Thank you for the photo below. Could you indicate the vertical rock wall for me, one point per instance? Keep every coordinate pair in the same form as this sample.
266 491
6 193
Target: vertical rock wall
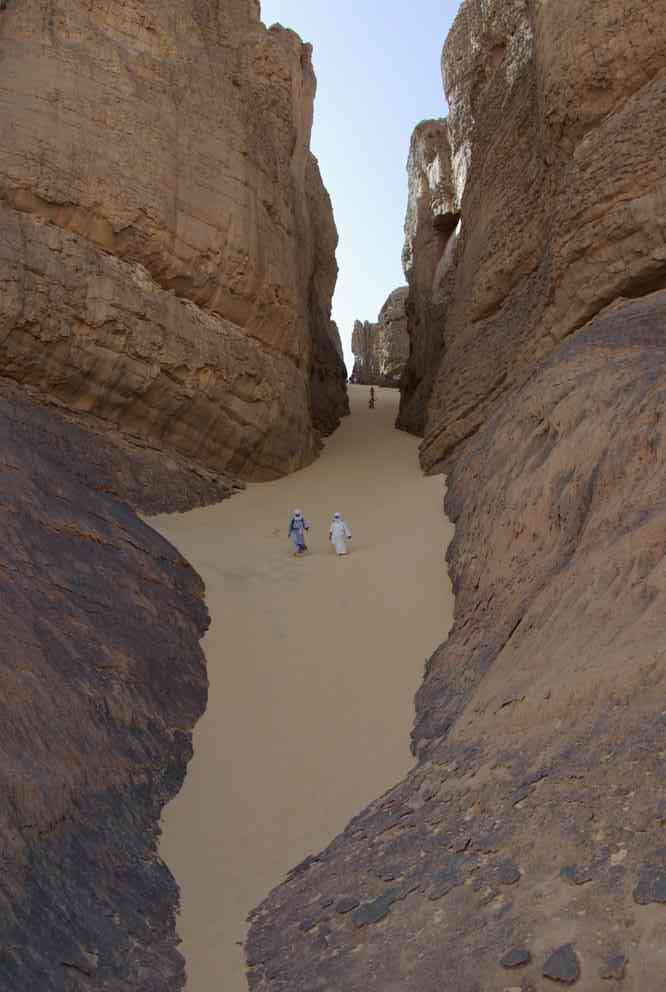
381 349
525 848
430 238
168 246
102 679
557 129
167 261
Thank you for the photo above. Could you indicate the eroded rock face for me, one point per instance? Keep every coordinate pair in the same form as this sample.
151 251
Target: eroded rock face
102 679
558 149
526 846
433 211
170 218
533 818
381 349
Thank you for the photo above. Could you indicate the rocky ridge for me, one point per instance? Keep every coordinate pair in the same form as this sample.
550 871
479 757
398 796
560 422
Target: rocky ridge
525 849
381 349
169 258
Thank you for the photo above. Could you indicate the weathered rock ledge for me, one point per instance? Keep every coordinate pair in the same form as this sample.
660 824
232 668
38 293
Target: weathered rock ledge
381 349
167 246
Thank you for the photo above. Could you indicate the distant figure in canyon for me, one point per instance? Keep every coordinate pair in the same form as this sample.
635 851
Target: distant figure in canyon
297 528
371 401
339 534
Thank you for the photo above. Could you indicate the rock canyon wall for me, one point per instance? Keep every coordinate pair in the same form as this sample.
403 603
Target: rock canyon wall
381 350
167 245
526 847
433 213
167 261
101 682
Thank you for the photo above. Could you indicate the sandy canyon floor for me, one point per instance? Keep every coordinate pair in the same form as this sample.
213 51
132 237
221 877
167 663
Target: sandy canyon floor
313 664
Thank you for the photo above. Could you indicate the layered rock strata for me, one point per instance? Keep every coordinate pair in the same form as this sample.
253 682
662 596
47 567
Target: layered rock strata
168 248
526 846
102 679
381 349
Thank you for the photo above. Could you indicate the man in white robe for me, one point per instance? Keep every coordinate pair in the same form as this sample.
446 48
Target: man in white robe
339 534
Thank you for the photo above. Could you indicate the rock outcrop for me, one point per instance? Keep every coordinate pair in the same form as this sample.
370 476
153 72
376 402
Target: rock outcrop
433 212
102 679
534 817
526 846
167 261
557 131
381 349
168 248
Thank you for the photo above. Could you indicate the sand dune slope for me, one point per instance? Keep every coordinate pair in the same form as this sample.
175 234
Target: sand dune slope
312 664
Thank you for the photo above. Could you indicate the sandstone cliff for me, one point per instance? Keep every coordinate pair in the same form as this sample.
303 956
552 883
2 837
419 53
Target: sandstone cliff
534 817
381 349
168 248
557 131
433 212
526 847
167 260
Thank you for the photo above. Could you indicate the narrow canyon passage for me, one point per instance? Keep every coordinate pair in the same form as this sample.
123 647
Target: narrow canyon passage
313 664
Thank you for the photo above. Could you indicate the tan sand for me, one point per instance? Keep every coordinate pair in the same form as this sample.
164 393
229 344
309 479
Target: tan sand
313 664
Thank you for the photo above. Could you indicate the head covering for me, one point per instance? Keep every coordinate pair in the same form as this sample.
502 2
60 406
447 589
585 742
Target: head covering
297 513
336 516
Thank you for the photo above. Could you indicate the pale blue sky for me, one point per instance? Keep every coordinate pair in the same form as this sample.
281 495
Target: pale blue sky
378 73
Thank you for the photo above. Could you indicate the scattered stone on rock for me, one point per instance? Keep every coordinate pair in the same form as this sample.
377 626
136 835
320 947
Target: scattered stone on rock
445 879
381 350
346 904
651 886
562 965
614 967
507 873
376 910
516 957
576 874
